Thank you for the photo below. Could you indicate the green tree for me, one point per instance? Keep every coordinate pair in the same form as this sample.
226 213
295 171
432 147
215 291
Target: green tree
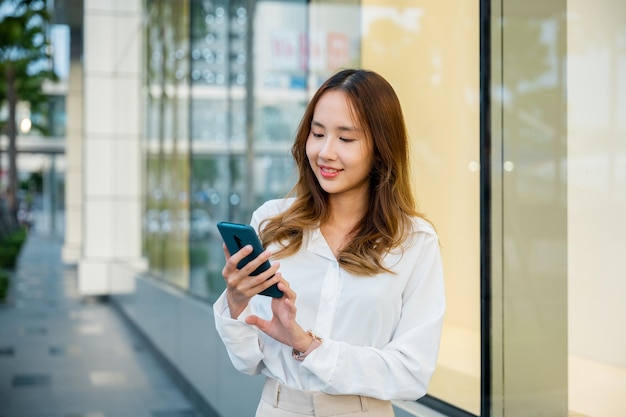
25 64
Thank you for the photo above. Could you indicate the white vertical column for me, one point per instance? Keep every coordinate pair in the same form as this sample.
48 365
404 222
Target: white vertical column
73 244
112 142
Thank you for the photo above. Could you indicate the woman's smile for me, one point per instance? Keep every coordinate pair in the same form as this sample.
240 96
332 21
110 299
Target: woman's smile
328 172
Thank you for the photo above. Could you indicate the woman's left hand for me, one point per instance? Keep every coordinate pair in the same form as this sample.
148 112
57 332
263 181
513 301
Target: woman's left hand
283 326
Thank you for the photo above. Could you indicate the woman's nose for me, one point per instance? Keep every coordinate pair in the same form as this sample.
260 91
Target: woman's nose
328 149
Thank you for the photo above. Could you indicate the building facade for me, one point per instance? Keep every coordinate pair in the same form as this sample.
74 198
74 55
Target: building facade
181 114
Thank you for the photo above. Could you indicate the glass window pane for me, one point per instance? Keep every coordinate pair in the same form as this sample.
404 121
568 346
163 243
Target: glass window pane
596 176
166 220
529 292
429 52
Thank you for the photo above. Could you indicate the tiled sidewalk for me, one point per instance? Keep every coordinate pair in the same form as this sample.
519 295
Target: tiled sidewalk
66 356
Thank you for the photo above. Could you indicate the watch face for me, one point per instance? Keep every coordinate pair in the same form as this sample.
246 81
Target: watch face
299 356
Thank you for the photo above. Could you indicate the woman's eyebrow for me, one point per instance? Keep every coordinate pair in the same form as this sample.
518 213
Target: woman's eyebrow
340 128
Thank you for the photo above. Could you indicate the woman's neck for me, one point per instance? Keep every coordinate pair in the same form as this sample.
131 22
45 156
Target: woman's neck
345 212
343 217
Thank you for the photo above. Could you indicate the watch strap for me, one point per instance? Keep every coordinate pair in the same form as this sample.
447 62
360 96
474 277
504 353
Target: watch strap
317 341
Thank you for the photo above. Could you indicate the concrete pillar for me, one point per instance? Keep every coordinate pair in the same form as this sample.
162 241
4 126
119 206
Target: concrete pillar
112 203
73 245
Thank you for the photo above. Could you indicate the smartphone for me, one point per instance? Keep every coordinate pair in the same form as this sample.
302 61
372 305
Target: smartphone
236 236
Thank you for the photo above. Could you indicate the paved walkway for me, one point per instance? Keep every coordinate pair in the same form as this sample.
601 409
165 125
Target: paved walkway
66 356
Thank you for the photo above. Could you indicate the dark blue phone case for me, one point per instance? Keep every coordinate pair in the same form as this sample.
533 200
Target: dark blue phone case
236 236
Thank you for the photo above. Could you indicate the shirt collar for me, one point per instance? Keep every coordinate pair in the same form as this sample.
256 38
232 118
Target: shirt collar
315 243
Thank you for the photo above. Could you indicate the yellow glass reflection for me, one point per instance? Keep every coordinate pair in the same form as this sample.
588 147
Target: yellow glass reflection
596 87
166 227
529 193
429 51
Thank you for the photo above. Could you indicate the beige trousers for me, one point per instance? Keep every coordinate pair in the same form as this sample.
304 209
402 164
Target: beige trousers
281 401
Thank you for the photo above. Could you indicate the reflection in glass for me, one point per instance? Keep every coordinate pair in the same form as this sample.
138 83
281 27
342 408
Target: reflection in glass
243 115
166 220
529 193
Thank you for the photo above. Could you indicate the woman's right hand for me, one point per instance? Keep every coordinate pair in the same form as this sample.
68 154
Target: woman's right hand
240 285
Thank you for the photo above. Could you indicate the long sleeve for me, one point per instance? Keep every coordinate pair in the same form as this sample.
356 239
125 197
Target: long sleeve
241 339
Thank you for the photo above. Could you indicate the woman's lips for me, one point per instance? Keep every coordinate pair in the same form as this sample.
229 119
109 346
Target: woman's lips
328 172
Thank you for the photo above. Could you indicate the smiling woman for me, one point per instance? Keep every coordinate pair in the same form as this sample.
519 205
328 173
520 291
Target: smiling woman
358 265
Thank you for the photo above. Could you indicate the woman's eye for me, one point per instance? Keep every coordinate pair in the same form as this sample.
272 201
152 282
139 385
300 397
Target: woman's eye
346 140
317 135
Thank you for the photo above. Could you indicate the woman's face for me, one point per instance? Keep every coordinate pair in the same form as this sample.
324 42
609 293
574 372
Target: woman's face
338 151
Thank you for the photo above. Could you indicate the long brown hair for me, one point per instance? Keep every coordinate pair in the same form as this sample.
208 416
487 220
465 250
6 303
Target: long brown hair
391 204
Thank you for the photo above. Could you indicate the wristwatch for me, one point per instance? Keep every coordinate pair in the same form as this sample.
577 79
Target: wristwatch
317 341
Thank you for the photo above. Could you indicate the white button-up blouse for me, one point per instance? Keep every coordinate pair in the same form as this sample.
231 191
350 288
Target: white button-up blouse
381 334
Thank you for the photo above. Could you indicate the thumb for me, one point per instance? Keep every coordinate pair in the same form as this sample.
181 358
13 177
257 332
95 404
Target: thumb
257 321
